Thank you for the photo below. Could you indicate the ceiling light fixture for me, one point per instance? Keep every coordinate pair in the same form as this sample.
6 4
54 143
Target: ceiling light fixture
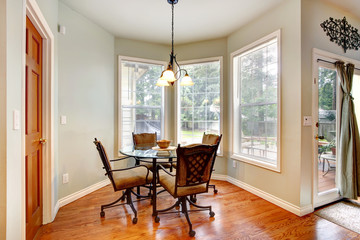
168 76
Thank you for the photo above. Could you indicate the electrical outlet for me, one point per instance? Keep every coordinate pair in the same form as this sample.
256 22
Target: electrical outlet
65 178
234 164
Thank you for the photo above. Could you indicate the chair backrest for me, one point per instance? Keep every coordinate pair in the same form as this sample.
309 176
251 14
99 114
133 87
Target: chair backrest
194 164
144 141
211 138
105 160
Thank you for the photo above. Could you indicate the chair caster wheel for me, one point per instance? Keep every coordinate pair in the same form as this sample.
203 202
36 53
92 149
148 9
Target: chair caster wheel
134 221
212 214
215 191
102 214
157 219
192 233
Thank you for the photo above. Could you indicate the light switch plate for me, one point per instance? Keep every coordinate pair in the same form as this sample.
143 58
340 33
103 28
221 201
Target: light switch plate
307 121
62 120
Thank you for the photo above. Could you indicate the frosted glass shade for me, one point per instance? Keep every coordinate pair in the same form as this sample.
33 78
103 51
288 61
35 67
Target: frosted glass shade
169 76
186 81
161 82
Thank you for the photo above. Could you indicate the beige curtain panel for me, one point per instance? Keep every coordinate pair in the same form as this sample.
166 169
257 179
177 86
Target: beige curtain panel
349 148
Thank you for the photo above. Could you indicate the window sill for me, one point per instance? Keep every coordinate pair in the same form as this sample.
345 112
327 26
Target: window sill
255 162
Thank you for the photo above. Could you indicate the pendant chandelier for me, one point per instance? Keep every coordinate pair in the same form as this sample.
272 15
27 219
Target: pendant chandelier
168 76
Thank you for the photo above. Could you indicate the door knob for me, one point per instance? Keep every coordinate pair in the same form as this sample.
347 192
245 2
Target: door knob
317 137
42 140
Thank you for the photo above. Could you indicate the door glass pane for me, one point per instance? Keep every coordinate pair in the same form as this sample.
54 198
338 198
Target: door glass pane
327 130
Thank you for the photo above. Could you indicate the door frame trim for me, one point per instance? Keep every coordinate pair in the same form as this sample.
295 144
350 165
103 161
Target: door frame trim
33 12
332 195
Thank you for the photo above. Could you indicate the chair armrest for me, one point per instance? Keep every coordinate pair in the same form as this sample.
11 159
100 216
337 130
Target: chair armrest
160 166
128 168
119 159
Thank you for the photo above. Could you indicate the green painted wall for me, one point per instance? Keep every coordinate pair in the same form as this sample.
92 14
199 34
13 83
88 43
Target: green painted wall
86 98
2 119
14 76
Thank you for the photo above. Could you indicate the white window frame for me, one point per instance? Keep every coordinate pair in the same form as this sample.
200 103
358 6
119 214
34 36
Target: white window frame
164 98
177 113
235 120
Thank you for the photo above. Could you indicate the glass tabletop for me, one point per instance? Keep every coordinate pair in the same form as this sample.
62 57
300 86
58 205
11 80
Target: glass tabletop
150 153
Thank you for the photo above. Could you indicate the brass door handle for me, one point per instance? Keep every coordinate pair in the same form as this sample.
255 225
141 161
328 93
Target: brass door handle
317 137
42 140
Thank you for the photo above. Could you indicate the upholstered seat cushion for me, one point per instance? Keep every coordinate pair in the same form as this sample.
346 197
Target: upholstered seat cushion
168 182
131 177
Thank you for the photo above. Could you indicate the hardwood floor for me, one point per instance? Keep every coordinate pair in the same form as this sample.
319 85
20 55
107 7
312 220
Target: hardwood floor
239 215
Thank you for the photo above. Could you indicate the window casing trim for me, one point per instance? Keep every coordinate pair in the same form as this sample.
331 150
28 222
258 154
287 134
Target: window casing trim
176 100
119 103
236 104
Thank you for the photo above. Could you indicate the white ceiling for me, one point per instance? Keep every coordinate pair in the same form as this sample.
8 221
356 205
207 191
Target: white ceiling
150 20
195 20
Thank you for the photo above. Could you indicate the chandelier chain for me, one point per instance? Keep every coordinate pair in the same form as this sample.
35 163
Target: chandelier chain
172 27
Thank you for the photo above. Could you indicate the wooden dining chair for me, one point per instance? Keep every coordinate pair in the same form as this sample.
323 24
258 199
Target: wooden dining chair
123 179
145 141
194 166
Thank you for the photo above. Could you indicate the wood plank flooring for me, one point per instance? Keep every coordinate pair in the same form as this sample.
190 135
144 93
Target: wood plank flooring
239 215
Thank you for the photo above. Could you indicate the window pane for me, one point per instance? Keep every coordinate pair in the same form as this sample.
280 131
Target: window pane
256 71
141 99
259 131
200 104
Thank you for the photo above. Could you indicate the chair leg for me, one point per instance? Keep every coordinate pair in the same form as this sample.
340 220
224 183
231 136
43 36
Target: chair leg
130 202
212 214
102 213
157 219
185 211
213 186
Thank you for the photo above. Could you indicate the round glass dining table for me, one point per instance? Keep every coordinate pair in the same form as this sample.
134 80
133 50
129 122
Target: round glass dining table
149 155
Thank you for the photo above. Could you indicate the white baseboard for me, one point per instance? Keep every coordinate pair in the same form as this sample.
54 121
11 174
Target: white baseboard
79 194
300 211
221 177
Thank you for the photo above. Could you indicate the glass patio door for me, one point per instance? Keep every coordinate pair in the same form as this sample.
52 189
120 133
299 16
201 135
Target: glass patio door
326 116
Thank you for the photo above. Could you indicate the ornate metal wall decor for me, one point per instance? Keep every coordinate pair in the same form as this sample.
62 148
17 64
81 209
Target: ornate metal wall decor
342 33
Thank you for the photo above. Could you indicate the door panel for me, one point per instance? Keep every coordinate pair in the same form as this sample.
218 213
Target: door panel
33 130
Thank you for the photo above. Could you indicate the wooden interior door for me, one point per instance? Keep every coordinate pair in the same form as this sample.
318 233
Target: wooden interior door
33 130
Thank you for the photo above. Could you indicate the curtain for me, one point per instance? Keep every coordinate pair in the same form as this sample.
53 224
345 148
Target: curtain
349 148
